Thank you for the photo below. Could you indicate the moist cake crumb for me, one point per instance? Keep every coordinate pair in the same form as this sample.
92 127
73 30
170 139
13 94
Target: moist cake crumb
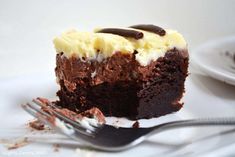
37 125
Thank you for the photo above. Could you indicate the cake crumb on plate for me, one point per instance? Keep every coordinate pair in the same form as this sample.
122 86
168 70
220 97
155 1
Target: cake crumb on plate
37 125
136 124
56 147
15 144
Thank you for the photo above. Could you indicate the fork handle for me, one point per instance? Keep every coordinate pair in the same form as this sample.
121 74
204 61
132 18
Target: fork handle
226 121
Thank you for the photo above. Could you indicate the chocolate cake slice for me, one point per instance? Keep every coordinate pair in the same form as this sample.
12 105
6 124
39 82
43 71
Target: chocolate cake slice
135 72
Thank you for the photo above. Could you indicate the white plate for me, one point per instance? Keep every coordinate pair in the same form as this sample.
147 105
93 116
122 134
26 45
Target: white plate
211 59
204 98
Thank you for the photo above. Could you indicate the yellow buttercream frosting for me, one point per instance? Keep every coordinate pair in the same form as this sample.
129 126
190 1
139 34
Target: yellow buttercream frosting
91 45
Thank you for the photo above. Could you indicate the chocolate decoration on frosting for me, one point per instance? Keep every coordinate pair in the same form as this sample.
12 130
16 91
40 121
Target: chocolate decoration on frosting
123 32
151 28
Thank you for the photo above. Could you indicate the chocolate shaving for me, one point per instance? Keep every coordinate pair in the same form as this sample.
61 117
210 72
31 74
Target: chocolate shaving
150 28
123 32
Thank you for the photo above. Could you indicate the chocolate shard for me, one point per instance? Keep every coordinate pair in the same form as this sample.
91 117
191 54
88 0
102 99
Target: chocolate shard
123 32
150 28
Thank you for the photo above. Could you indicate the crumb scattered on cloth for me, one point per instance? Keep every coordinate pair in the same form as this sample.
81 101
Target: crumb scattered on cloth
14 144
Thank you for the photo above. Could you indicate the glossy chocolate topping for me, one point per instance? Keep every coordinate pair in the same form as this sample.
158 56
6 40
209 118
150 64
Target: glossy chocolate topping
150 28
123 32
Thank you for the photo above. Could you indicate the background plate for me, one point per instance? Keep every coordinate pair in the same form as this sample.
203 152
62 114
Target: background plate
211 58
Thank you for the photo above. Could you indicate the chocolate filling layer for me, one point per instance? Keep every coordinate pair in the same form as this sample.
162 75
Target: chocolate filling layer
120 86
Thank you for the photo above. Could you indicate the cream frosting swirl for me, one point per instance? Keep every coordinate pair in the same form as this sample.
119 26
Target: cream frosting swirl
92 45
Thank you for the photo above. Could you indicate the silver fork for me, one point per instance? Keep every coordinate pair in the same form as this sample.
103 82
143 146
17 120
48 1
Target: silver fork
106 137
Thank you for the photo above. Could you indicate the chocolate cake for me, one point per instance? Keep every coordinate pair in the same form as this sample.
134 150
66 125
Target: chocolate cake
135 72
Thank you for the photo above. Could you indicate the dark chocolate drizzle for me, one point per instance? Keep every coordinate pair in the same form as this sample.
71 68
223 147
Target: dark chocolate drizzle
151 28
123 32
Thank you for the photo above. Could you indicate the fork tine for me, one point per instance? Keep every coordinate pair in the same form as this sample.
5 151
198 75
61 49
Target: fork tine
39 115
44 117
36 109
75 124
55 107
78 135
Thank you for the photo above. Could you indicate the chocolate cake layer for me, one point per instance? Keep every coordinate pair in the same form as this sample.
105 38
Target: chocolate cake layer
120 86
